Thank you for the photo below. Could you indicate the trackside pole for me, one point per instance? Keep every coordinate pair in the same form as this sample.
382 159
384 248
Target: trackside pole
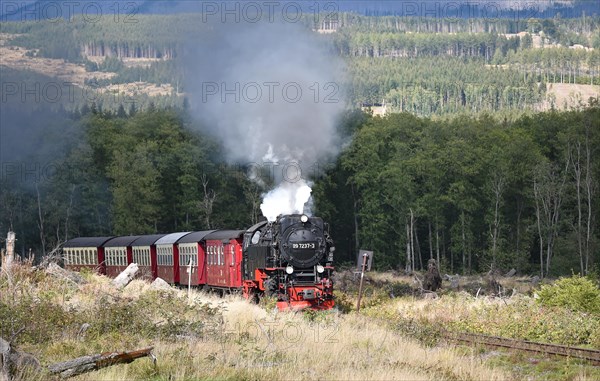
189 271
362 277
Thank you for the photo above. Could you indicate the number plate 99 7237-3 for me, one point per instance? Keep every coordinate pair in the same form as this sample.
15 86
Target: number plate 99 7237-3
304 245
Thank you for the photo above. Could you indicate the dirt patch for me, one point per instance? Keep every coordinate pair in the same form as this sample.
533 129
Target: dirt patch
15 57
568 95
19 58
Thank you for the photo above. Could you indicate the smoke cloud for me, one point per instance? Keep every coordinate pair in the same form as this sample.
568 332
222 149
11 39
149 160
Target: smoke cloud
270 91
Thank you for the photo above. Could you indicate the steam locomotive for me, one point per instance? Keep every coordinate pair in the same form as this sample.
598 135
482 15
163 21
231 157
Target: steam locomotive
290 259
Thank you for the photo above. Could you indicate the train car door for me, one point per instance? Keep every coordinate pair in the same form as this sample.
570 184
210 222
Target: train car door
234 263
201 264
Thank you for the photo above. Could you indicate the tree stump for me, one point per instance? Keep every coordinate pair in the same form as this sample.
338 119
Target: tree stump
433 280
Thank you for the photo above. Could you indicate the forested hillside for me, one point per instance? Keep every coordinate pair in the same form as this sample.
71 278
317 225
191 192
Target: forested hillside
425 66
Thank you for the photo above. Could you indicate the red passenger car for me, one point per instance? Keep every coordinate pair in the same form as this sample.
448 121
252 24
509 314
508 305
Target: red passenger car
118 254
191 249
224 259
144 254
85 252
167 257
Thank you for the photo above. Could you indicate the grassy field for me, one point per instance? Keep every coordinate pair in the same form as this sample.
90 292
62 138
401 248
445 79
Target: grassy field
198 336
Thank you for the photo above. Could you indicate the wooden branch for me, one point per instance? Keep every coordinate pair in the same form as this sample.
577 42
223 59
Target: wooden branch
90 363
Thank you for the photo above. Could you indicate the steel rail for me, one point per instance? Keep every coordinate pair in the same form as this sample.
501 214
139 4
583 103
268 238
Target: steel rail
591 355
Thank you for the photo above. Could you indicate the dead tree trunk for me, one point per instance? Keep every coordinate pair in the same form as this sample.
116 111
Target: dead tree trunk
41 220
58 272
206 205
590 187
408 267
464 241
9 254
575 155
412 240
497 192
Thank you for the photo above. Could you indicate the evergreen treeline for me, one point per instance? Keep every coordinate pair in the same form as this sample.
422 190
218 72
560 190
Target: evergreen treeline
438 85
474 192
118 173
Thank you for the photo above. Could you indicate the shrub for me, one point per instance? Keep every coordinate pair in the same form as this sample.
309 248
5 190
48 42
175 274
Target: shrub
575 293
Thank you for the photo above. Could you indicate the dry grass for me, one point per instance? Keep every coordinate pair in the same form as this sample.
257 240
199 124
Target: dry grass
286 346
202 337
240 341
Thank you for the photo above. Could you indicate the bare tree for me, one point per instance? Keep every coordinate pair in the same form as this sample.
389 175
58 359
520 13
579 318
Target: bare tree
410 236
585 187
497 188
590 189
68 213
252 192
40 220
575 158
548 186
206 205
409 262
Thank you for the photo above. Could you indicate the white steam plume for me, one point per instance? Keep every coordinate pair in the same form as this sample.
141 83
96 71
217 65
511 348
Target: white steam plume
270 91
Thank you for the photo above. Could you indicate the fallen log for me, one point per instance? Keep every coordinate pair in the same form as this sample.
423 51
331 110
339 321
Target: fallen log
126 276
90 363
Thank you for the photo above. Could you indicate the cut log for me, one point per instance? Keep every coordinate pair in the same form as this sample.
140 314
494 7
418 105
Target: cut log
90 363
126 276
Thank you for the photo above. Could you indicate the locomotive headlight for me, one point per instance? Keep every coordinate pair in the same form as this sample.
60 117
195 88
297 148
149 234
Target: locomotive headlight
304 218
289 270
320 269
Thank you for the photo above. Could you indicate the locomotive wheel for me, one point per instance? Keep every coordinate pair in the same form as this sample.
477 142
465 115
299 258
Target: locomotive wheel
269 287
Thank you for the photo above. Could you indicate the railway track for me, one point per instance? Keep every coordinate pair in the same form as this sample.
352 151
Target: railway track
591 355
